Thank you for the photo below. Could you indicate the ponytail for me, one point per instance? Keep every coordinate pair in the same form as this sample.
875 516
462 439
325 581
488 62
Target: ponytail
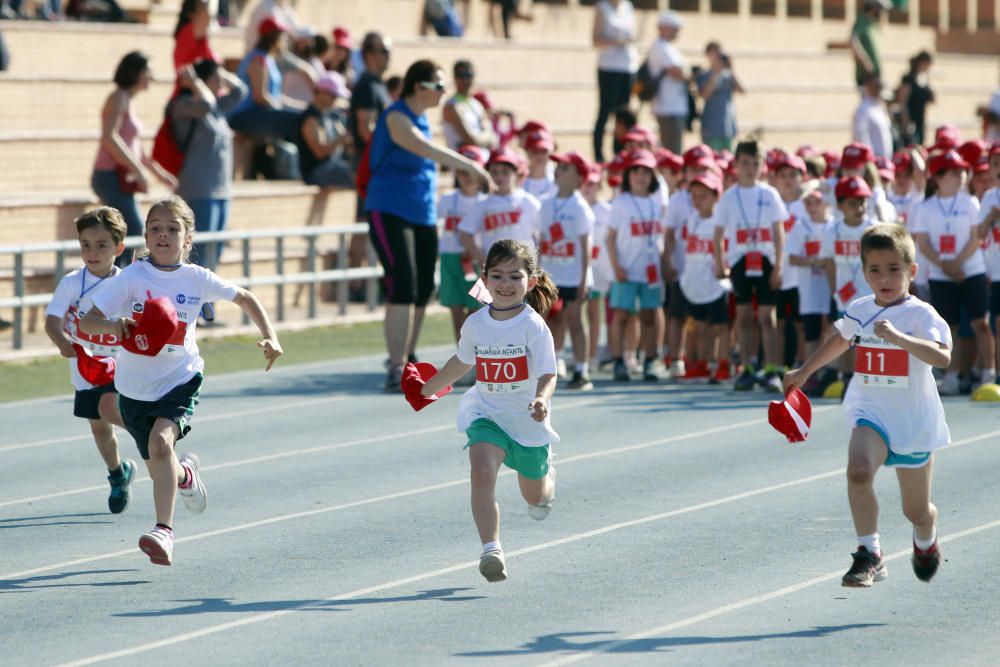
544 294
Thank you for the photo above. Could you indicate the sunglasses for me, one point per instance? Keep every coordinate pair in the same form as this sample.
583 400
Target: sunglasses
464 75
432 85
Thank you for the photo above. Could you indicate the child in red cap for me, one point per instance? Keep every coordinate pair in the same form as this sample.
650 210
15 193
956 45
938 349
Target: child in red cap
989 230
892 406
158 393
540 182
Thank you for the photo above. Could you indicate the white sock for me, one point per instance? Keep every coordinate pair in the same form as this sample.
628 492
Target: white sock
582 367
987 375
870 542
924 545
492 545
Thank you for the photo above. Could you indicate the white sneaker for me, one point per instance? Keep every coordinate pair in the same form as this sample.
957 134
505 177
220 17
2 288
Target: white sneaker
561 371
949 385
493 566
677 370
158 544
541 510
195 497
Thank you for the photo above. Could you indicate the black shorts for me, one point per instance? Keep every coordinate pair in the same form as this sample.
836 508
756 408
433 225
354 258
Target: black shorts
676 303
713 312
813 325
177 405
569 294
745 288
995 299
86 401
408 253
787 304
948 297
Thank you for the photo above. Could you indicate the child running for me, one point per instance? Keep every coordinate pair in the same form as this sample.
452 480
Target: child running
102 235
157 394
893 408
506 415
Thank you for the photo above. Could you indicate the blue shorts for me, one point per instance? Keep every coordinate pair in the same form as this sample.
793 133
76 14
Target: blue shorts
892 459
624 296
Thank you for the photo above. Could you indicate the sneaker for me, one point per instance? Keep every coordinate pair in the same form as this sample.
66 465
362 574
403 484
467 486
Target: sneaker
649 371
118 500
621 373
580 382
195 497
541 510
722 372
492 566
965 383
746 381
772 383
925 563
949 385
394 380
158 544
678 370
866 570
561 372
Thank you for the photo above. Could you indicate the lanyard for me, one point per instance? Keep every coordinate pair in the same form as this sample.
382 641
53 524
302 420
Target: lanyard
164 266
643 218
873 317
83 282
857 268
743 213
947 214
556 209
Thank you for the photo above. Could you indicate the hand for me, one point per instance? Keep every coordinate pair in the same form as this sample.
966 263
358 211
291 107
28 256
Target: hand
122 328
186 76
620 274
67 350
884 330
794 378
272 350
776 278
483 176
539 409
721 272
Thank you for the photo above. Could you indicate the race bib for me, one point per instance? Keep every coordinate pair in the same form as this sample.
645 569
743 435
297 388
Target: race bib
789 224
996 234
556 232
947 244
812 248
101 345
451 223
503 374
847 292
881 365
744 236
595 252
754 264
652 275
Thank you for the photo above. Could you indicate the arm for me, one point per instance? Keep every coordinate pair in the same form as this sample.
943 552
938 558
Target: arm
585 246
406 135
597 35
711 84
928 351
539 406
802 260
669 245
317 141
720 261
451 116
983 228
924 243
778 229
54 330
830 268
472 249
449 374
364 120
251 305
831 349
612 248
257 74
860 55
97 323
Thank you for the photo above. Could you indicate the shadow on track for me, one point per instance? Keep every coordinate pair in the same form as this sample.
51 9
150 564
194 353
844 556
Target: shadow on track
35 521
38 583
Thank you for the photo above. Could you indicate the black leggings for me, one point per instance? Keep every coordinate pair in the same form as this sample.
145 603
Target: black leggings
408 253
615 91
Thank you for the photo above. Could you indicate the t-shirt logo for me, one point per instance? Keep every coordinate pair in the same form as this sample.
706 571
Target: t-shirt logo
847 248
646 228
142 342
502 219
756 235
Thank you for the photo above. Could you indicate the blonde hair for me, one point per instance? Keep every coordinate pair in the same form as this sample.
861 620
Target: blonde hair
888 236
180 209
544 293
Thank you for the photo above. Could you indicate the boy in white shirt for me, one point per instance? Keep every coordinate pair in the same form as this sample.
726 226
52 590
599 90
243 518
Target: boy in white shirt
540 182
989 216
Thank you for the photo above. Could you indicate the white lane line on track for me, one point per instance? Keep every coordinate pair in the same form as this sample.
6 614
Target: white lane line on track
257 618
611 646
391 496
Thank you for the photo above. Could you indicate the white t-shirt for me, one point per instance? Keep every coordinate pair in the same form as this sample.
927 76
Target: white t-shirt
600 263
144 378
991 200
452 207
806 240
618 23
891 387
679 209
948 223
672 95
638 225
871 126
796 211
509 356
748 215
563 222
70 302
540 187
842 243
906 211
698 281
512 216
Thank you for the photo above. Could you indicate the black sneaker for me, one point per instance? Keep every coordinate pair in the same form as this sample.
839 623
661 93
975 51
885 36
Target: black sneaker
649 373
925 563
746 381
866 570
580 382
621 371
394 379
119 497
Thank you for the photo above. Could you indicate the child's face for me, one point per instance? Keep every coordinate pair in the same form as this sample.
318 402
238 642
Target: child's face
888 275
982 182
950 182
816 208
640 180
503 175
166 237
747 167
853 209
995 168
99 250
538 160
467 183
589 191
703 199
903 182
567 177
787 181
508 282
670 177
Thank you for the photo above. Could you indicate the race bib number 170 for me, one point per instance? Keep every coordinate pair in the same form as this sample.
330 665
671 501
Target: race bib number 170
503 374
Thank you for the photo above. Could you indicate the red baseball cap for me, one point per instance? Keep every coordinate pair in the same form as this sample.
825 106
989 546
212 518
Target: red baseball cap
98 371
710 179
505 156
640 157
271 24
972 150
157 323
477 154
641 135
791 417
617 164
415 376
902 160
793 161
855 156
995 150
539 140
852 187
533 126
982 164
947 136
574 158
807 150
832 163
483 98
342 37
700 156
945 161
666 158
886 168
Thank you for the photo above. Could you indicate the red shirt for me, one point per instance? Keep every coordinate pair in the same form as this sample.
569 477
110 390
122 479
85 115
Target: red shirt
188 48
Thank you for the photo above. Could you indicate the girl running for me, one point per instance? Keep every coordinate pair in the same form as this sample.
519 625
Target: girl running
506 415
157 394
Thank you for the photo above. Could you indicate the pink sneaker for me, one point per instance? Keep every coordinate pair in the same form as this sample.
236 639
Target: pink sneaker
158 544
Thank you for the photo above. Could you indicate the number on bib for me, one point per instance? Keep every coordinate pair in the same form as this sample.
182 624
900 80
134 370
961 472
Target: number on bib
502 374
883 367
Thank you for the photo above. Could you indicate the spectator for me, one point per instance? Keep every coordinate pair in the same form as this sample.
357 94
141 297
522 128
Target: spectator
504 11
443 16
670 106
716 86
198 118
617 62
339 58
872 126
117 174
323 136
913 96
991 118
191 34
864 41
401 203
279 10
464 119
299 82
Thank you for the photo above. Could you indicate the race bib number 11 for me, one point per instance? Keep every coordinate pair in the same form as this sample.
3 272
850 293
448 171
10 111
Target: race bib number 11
887 367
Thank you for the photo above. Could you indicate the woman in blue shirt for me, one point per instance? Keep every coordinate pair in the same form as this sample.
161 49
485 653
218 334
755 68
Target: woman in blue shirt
401 205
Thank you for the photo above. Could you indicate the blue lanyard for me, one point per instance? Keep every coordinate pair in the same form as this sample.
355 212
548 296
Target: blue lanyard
947 214
83 282
556 210
873 317
743 213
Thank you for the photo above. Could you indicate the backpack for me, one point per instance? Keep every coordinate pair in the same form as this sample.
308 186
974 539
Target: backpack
646 85
166 150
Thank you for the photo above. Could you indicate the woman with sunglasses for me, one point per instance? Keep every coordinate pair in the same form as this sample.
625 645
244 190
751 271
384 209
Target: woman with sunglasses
401 203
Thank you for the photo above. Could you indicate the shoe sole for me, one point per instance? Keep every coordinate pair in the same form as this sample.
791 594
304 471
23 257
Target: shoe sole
880 575
493 569
126 491
196 465
157 554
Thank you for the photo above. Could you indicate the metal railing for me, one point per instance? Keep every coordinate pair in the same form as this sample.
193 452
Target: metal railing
309 279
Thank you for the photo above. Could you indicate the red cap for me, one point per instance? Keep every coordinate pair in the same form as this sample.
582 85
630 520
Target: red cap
710 179
157 322
700 156
342 37
772 158
271 24
595 173
539 140
574 158
902 161
791 417
505 156
812 192
415 376
832 160
483 98
945 161
641 135
947 136
617 165
852 187
807 150
640 157
972 150
98 371
477 154
667 159
886 168
855 156
533 126
724 155
793 161
982 164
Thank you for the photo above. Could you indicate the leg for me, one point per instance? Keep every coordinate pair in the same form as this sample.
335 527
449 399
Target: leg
744 331
984 345
164 469
867 452
557 326
769 334
418 322
108 409
915 492
594 325
621 318
397 328
572 317
107 443
604 85
424 258
486 459
647 332
537 491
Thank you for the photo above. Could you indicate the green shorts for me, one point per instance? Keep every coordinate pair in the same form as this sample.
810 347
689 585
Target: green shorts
454 289
531 462
177 405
